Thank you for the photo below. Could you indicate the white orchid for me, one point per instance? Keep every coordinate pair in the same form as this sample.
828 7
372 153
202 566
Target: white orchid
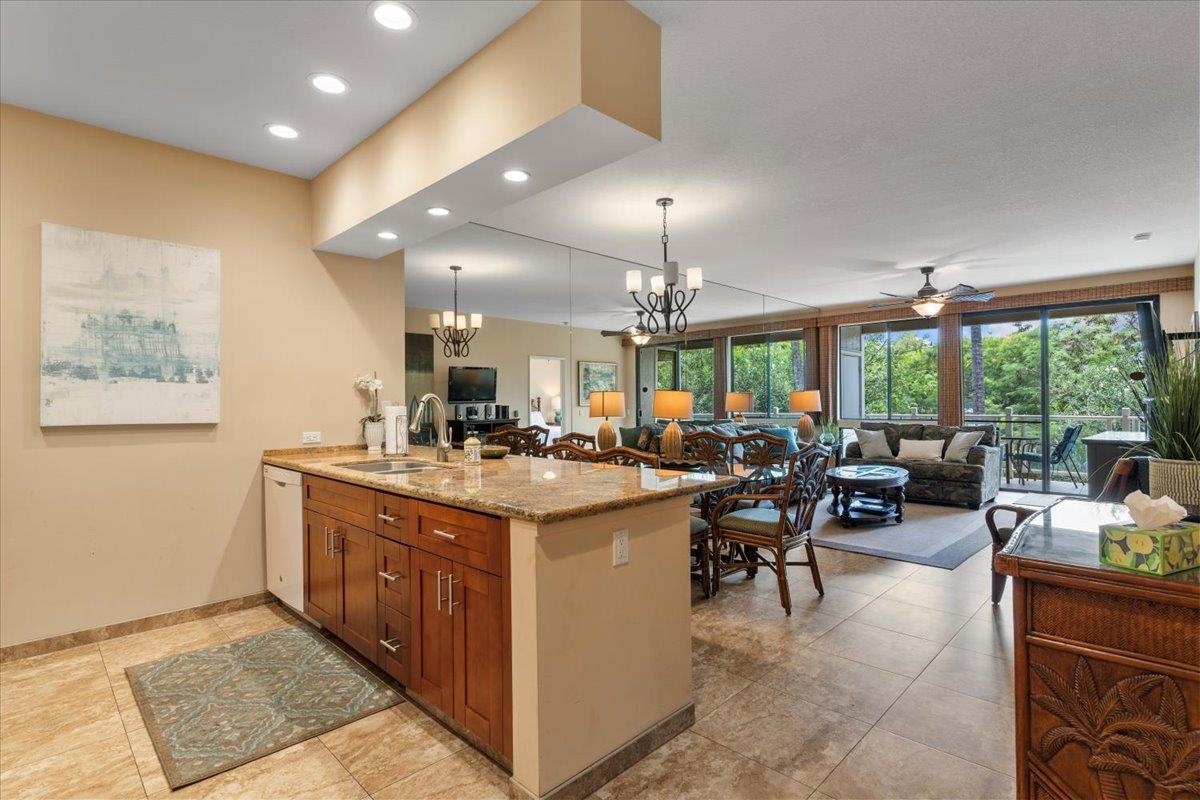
370 383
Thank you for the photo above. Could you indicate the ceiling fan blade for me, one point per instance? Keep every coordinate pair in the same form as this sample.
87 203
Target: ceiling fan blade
977 297
615 333
892 304
898 296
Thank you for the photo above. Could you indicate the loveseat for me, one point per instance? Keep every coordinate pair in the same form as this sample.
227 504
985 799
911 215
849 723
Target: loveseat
971 483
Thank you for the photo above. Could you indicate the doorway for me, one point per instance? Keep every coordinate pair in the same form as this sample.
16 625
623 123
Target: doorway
547 407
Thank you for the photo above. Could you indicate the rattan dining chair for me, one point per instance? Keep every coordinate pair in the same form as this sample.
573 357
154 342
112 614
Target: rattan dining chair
519 441
627 457
775 520
579 440
567 451
707 451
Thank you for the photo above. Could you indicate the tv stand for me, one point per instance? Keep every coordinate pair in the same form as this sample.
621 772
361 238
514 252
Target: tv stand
458 427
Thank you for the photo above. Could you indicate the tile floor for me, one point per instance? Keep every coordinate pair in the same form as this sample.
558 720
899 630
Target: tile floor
898 683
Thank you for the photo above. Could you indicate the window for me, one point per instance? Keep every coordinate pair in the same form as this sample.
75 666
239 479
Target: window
770 366
665 362
888 370
689 366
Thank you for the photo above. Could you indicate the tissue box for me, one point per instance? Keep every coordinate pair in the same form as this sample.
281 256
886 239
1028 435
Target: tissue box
1172 548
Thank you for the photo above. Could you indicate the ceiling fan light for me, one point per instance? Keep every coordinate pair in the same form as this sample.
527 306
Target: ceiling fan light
640 338
928 308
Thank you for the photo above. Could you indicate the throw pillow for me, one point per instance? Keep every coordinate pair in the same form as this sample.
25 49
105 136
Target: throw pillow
784 433
873 443
961 443
921 449
629 436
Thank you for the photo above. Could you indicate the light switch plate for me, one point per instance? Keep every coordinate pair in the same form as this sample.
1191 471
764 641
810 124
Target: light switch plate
310 437
620 548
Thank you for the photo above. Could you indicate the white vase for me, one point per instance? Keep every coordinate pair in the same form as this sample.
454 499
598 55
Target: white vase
373 432
1177 479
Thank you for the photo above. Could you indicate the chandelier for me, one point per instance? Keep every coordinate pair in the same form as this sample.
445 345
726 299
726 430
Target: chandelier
665 305
454 330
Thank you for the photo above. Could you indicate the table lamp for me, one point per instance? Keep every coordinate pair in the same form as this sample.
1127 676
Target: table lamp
556 407
672 405
739 403
606 404
804 402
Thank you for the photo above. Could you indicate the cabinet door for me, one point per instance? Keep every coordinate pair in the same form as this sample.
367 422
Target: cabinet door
321 568
432 668
358 623
476 609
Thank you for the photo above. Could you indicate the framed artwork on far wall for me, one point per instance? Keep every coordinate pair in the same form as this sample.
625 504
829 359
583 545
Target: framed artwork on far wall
596 376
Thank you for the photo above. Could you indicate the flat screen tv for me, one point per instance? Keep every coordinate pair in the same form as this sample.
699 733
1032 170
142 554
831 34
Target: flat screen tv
472 385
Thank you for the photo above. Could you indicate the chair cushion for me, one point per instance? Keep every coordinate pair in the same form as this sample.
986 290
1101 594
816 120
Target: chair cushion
761 521
696 525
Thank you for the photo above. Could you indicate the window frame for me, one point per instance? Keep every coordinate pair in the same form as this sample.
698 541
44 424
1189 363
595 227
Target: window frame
767 338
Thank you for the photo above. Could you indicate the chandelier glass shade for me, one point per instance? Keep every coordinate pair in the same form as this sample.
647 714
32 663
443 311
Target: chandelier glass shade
665 304
453 329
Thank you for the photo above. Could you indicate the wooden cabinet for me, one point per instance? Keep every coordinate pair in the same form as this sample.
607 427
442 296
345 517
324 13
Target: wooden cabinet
320 569
432 666
476 608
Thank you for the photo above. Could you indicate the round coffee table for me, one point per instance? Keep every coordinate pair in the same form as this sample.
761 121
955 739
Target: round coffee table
867 493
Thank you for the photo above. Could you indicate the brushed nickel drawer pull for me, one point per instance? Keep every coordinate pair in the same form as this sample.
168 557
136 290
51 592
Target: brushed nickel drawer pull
439 590
450 585
387 519
445 535
336 536
328 546
389 576
392 645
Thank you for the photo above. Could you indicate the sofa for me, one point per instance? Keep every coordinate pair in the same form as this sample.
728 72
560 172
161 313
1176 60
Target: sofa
648 437
971 483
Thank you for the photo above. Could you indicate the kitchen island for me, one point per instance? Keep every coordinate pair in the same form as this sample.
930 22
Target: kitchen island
491 592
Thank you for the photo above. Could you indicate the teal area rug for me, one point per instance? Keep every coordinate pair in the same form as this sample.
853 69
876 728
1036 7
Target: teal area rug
214 709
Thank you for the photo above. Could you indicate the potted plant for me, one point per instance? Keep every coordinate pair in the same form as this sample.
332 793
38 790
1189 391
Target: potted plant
372 423
1168 392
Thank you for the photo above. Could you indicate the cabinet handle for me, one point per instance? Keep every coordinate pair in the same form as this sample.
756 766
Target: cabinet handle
445 535
389 576
391 644
336 536
387 519
450 590
328 546
439 590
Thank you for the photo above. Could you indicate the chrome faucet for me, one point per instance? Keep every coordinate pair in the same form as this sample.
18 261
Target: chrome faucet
439 420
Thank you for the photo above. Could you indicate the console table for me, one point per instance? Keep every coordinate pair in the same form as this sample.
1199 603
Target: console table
1107 671
458 427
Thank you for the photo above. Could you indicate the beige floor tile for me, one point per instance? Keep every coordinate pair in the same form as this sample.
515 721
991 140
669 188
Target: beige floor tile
963 726
690 767
252 621
924 623
872 583
306 771
465 775
1001 611
939 598
149 767
102 769
789 735
963 579
885 766
712 686
30 682
983 676
848 687
894 652
385 747
748 642
993 637
818 796
138 648
72 720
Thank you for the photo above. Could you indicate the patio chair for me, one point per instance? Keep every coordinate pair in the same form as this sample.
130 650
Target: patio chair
1063 455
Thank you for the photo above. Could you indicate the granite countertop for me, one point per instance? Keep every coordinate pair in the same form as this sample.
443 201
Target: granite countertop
538 490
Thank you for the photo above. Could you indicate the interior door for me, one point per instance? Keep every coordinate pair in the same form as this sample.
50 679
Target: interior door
320 570
358 605
432 668
475 606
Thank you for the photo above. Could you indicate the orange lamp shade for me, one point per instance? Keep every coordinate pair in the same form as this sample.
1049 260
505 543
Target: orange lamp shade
606 404
809 400
670 404
739 401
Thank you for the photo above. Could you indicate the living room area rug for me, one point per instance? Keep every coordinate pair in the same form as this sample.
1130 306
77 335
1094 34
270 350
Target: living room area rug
933 535
214 709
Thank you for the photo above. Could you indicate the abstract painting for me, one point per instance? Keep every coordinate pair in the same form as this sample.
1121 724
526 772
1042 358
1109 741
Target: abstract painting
596 376
130 330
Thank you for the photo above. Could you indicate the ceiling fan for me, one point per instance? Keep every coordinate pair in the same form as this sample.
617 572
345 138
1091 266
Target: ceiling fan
929 301
638 332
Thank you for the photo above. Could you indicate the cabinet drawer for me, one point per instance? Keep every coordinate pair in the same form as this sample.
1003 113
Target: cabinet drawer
392 580
391 517
461 536
395 631
342 501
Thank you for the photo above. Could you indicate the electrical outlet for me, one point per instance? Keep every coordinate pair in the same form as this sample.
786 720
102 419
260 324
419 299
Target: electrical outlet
620 547
310 437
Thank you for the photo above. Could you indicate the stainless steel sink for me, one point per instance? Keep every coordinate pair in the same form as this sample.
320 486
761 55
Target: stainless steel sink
391 467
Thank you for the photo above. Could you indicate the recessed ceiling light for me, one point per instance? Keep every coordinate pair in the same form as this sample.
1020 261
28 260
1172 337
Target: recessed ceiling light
388 235
438 211
392 15
281 130
327 83
516 175
1141 237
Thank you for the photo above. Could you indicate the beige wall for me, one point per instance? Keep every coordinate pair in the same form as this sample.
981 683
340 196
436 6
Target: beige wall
507 345
102 525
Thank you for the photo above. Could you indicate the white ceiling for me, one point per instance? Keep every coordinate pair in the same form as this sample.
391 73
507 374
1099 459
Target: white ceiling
206 75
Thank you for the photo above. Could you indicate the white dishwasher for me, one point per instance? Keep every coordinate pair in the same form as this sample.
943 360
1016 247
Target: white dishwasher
283 523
